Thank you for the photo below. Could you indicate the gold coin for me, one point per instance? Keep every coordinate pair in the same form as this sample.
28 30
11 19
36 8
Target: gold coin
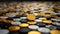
34 32
24 25
2 20
53 15
31 22
12 10
14 28
31 17
24 10
18 15
8 21
42 13
55 32
46 15
47 21
58 18
50 9
43 19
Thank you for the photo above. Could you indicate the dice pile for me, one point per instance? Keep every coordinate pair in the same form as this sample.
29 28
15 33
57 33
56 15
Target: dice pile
30 17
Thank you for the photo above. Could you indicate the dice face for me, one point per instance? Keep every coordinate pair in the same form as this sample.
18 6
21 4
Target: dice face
30 17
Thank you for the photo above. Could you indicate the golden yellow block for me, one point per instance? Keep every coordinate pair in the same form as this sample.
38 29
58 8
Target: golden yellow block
31 22
31 17
24 25
55 32
14 28
34 32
